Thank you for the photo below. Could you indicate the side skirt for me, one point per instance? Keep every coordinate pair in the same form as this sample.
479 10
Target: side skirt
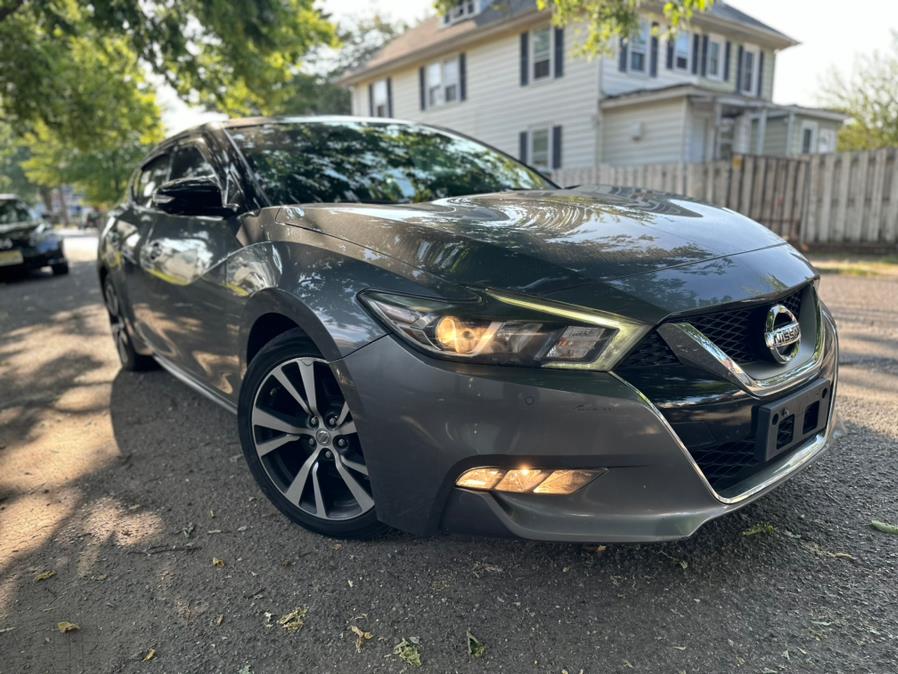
185 378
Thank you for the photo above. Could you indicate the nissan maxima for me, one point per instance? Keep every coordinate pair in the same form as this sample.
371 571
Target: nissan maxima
417 331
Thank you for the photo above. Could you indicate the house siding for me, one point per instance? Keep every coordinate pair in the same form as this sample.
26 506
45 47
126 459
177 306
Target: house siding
663 136
498 108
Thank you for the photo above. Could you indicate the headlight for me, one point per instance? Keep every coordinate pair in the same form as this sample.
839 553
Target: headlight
507 330
41 234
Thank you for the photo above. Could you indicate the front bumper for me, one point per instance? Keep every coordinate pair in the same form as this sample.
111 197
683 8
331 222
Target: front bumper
426 421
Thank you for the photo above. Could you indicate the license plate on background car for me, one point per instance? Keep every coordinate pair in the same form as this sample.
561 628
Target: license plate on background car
8 257
786 423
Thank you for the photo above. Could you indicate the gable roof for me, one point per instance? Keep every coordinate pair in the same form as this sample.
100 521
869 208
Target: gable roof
431 37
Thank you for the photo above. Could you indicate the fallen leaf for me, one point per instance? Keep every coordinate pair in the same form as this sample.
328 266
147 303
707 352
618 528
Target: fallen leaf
219 620
217 562
817 550
361 636
4 630
476 648
597 549
680 648
884 527
295 620
409 651
44 575
66 626
151 654
765 528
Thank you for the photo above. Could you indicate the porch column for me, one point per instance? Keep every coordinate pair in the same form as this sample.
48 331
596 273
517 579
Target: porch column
762 131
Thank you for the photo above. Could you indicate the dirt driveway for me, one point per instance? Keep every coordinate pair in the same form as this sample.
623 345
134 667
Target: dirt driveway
126 487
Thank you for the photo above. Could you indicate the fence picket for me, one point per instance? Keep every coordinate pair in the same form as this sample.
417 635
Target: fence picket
833 198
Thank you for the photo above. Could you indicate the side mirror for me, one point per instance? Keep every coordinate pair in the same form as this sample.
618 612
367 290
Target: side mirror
191 196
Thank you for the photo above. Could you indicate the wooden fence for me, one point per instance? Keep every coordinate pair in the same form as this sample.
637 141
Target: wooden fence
846 198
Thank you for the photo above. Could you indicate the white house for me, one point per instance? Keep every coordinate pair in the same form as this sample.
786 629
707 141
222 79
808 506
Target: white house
499 71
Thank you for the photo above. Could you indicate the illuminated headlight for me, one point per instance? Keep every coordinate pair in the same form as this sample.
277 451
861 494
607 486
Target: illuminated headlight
527 480
506 331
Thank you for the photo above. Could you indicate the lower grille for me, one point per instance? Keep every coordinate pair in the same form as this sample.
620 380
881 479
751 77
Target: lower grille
725 465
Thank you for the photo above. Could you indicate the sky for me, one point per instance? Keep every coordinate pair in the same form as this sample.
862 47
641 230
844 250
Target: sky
832 33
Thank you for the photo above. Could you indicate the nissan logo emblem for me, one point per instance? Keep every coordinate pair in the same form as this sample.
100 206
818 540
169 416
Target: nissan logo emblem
782 334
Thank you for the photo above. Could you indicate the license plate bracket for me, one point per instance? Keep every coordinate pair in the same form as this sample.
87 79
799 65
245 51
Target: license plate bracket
789 421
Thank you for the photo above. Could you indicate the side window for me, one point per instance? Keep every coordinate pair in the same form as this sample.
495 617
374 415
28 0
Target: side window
152 175
188 162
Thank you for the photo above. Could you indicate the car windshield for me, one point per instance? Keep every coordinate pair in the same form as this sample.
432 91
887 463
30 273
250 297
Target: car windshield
12 212
374 162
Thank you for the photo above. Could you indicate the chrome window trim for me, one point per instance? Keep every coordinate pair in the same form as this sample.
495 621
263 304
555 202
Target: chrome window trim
776 472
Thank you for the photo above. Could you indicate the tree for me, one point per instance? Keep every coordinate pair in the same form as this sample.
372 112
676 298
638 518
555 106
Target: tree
870 96
604 20
316 92
233 56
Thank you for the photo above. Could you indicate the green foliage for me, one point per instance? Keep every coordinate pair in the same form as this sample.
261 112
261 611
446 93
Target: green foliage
74 76
605 20
12 175
870 96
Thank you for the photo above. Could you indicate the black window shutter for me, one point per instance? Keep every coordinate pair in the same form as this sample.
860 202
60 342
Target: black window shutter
653 56
760 73
670 52
422 89
739 68
705 55
726 62
556 147
559 52
522 146
371 100
622 57
389 97
696 40
462 77
525 59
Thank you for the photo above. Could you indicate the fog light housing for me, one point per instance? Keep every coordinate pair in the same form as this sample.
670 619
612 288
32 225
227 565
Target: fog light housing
527 480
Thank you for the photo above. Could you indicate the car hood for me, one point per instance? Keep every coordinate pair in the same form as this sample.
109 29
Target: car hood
540 242
18 230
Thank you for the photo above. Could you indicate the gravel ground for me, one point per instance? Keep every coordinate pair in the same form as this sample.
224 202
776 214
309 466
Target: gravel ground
128 486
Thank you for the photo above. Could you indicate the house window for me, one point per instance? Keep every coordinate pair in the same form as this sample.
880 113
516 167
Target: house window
459 11
826 140
542 52
443 83
540 140
381 105
682 50
450 80
638 47
748 76
808 137
714 68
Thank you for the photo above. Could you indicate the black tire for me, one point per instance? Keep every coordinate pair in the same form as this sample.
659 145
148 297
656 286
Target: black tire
129 358
60 269
283 351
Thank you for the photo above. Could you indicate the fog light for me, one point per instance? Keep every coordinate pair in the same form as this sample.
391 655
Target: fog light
521 480
527 480
566 481
480 478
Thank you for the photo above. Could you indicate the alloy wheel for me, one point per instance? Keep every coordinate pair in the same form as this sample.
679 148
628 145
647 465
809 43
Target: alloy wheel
113 307
307 443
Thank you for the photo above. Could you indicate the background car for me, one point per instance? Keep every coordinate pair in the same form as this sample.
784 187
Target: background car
417 330
26 243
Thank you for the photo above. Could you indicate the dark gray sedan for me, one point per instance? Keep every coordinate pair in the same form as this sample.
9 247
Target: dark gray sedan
416 330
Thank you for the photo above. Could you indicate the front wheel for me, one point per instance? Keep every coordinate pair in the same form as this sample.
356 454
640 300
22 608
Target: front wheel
128 357
60 268
300 441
